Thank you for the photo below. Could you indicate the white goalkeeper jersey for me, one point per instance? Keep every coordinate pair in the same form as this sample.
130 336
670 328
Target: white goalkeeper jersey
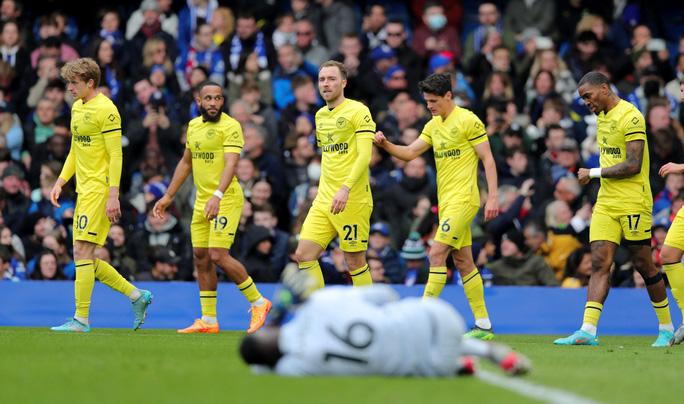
368 330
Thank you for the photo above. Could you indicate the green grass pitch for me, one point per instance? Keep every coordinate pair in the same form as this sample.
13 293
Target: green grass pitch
159 366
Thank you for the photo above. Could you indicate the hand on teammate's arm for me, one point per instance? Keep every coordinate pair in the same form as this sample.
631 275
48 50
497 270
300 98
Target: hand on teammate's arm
406 153
670 168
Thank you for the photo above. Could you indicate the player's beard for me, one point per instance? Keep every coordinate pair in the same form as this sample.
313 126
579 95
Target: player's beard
208 118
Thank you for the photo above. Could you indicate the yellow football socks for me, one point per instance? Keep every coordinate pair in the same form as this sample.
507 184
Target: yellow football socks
208 303
112 278
313 268
675 276
662 310
361 276
436 281
83 287
592 313
249 289
474 291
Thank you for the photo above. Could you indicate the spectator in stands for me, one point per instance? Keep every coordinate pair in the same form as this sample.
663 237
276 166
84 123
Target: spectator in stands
435 35
511 202
285 31
489 17
662 202
16 201
406 56
373 29
121 259
53 46
193 14
260 112
110 23
379 246
110 71
247 175
336 19
202 52
290 65
222 24
518 266
398 200
262 193
11 133
305 105
567 162
246 40
268 164
153 127
350 54
300 152
561 238
539 14
163 266
40 197
258 254
515 169
543 88
548 59
250 70
577 268
47 268
164 233
45 72
377 269
403 112
265 216
584 54
415 263
307 43
13 51
15 250
169 20
151 28
55 148
56 242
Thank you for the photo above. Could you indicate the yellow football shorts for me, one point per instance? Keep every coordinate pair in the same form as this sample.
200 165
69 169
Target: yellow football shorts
454 225
219 232
90 218
634 227
351 225
675 235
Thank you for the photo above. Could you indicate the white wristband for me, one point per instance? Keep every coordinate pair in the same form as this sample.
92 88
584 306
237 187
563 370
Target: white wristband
218 194
595 173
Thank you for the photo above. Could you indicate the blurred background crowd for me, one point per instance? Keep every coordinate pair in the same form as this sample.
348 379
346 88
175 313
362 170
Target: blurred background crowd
515 63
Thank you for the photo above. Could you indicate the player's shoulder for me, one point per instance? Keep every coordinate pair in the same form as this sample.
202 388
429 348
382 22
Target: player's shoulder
195 122
466 115
228 121
627 109
357 106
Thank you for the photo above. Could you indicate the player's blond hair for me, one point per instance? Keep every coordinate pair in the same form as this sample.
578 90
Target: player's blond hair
340 66
84 69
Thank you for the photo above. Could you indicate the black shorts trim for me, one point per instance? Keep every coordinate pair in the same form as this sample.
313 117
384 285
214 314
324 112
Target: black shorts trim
646 241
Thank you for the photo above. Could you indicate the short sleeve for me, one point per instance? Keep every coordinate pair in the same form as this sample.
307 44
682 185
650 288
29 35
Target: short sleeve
233 141
634 126
426 134
476 131
364 126
111 121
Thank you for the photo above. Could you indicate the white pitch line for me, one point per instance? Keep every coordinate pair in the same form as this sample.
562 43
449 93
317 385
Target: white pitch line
525 388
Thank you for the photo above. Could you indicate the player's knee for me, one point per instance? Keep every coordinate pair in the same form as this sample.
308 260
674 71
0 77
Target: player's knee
302 254
355 260
83 251
599 263
216 255
437 257
669 255
199 254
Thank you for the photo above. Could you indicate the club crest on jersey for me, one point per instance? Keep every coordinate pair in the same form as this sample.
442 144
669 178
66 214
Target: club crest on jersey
211 133
341 123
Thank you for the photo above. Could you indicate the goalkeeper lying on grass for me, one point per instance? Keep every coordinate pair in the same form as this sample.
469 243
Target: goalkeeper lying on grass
366 331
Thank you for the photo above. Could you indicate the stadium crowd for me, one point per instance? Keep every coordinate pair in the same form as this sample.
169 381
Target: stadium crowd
514 63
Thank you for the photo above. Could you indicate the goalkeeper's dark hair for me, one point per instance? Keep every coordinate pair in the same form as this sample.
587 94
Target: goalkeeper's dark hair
594 78
261 348
437 83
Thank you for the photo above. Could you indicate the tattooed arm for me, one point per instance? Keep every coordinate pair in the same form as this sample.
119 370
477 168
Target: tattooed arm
632 164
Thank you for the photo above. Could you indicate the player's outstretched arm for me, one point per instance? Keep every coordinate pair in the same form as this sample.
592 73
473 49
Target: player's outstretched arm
670 168
183 169
230 161
406 153
484 152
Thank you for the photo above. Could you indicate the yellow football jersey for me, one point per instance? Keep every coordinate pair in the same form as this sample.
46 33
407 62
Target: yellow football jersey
91 124
337 131
620 125
208 141
453 141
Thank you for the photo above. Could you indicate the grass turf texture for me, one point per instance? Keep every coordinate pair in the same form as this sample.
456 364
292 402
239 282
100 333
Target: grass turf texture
115 365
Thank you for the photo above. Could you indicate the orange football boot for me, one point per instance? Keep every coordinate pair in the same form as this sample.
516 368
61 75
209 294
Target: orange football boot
201 327
259 314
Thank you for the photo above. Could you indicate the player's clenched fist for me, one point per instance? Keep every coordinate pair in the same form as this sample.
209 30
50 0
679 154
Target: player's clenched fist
379 138
583 176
